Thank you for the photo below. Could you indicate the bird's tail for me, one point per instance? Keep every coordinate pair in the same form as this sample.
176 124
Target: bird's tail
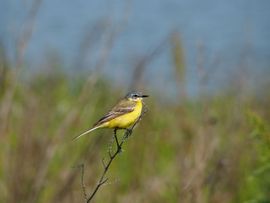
86 132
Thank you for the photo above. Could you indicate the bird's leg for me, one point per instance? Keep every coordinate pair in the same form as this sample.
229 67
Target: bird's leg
116 139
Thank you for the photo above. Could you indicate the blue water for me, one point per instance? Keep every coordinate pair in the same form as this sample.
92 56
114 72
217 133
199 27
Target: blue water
231 32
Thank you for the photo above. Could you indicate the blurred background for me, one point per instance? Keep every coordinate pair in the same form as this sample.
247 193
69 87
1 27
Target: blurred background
206 65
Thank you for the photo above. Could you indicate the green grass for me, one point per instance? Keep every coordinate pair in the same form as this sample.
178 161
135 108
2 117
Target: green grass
211 150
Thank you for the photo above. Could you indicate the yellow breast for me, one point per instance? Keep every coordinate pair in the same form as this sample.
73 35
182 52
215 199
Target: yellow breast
127 119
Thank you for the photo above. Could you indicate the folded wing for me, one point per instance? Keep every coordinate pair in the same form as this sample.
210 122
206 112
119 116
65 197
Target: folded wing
121 108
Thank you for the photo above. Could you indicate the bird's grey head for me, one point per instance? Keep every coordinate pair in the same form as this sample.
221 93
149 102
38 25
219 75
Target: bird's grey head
134 95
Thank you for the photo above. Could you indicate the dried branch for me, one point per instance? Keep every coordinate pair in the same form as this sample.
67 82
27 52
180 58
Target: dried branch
112 155
106 166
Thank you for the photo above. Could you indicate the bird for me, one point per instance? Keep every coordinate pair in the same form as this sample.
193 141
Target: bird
123 115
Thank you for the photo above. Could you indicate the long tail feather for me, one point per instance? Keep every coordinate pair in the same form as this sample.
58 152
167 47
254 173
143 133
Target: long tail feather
86 132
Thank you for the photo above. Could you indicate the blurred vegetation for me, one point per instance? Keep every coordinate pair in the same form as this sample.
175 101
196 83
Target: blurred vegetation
203 149
209 149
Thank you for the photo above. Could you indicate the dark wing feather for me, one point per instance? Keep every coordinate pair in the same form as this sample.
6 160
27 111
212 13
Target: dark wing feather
121 108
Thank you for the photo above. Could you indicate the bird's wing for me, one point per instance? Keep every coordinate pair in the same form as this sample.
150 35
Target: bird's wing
121 108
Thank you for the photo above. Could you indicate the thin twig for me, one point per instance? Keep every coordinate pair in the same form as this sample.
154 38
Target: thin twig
106 166
112 156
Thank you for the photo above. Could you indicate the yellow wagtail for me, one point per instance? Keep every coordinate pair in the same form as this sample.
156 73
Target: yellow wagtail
123 115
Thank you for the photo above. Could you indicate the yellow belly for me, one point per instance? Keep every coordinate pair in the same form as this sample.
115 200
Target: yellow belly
126 120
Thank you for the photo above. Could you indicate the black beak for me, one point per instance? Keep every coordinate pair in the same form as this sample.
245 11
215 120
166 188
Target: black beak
145 96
